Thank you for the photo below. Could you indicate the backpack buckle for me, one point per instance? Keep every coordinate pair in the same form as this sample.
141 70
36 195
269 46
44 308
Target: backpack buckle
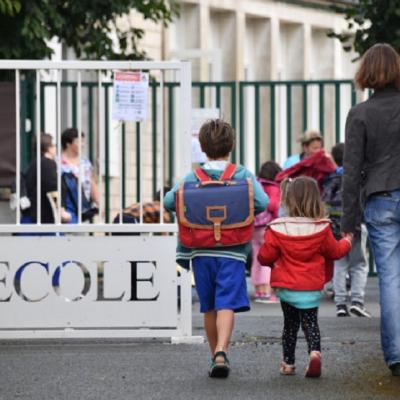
216 214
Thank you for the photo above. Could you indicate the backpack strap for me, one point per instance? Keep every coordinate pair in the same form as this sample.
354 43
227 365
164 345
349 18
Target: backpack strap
230 170
228 173
201 175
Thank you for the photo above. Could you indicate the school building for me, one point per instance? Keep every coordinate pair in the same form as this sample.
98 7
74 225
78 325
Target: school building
266 66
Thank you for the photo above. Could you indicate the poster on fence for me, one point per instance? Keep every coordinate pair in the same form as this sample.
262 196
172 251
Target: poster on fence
199 116
130 91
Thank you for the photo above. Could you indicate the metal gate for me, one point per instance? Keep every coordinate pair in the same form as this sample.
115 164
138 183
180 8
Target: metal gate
82 281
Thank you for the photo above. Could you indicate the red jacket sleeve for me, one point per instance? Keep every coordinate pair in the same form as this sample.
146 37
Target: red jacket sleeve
335 249
269 251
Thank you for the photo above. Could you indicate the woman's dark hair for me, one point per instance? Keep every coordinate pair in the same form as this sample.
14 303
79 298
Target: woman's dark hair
379 68
217 138
68 136
269 170
46 141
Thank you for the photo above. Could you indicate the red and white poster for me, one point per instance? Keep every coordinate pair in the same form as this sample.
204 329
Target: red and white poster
130 96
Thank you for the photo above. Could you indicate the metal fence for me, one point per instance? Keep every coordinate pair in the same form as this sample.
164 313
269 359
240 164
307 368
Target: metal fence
280 112
32 114
268 116
92 284
283 110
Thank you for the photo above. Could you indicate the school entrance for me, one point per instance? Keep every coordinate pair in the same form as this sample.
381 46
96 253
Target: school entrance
105 278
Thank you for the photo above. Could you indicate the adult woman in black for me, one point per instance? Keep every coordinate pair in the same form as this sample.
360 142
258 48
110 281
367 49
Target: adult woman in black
48 197
372 172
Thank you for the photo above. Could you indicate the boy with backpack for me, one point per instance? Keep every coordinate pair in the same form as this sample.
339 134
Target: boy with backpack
355 263
215 206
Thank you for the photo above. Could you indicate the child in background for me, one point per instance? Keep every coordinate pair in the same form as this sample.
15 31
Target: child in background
219 271
355 263
300 249
260 275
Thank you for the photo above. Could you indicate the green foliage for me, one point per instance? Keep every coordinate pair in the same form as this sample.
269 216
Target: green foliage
87 26
10 7
372 21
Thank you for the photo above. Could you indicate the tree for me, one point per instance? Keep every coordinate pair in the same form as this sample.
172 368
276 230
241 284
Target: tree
10 7
373 21
84 25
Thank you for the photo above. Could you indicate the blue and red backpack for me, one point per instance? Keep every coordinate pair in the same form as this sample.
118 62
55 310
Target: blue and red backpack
213 213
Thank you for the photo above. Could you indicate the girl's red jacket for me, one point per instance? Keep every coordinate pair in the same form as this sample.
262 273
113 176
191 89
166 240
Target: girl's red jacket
301 252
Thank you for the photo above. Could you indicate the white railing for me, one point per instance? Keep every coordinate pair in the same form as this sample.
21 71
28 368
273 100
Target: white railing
182 162
32 293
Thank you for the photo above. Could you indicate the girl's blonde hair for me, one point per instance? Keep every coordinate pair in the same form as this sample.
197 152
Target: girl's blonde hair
301 198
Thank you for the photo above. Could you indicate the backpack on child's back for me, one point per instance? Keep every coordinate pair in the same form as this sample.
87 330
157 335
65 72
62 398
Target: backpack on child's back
213 213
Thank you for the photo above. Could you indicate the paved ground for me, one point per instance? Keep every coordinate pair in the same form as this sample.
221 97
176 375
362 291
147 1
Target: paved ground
121 369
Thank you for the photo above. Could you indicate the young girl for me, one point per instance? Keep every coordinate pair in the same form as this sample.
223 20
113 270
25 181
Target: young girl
260 275
301 249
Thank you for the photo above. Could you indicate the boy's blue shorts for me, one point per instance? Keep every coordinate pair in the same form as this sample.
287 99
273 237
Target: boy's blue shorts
220 284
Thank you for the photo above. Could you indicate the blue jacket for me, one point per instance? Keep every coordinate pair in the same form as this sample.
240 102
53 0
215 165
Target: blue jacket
292 160
239 252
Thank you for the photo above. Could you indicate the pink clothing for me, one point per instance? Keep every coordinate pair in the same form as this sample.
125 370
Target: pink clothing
274 194
260 275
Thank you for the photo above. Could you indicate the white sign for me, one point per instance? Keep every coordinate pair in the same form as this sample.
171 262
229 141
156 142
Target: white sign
199 116
88 283
130 96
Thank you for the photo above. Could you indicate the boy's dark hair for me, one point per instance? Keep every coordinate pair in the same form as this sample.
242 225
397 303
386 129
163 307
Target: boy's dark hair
217 138
68 136
269 170
337 154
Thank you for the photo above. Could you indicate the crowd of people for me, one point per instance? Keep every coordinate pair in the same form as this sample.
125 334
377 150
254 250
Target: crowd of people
358 183
312 219
72 165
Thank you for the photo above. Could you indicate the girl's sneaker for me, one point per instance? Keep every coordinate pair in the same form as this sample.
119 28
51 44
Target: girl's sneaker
314 365
287 369
261 297
273 299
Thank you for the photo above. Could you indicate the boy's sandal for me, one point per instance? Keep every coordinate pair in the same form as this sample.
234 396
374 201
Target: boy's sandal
287 369
219 369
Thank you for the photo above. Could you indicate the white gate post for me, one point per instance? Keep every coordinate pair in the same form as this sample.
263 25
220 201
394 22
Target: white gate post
184 165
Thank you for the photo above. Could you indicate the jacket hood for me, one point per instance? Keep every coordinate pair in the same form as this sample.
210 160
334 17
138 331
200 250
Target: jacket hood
300 237
298 226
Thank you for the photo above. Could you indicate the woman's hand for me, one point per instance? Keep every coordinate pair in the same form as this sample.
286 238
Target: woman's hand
65 216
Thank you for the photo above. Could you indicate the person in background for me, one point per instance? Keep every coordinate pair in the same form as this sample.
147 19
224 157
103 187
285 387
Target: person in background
260 275
300 249
372 173
355 263
151 212
315 163
49 193
311 143
70 163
